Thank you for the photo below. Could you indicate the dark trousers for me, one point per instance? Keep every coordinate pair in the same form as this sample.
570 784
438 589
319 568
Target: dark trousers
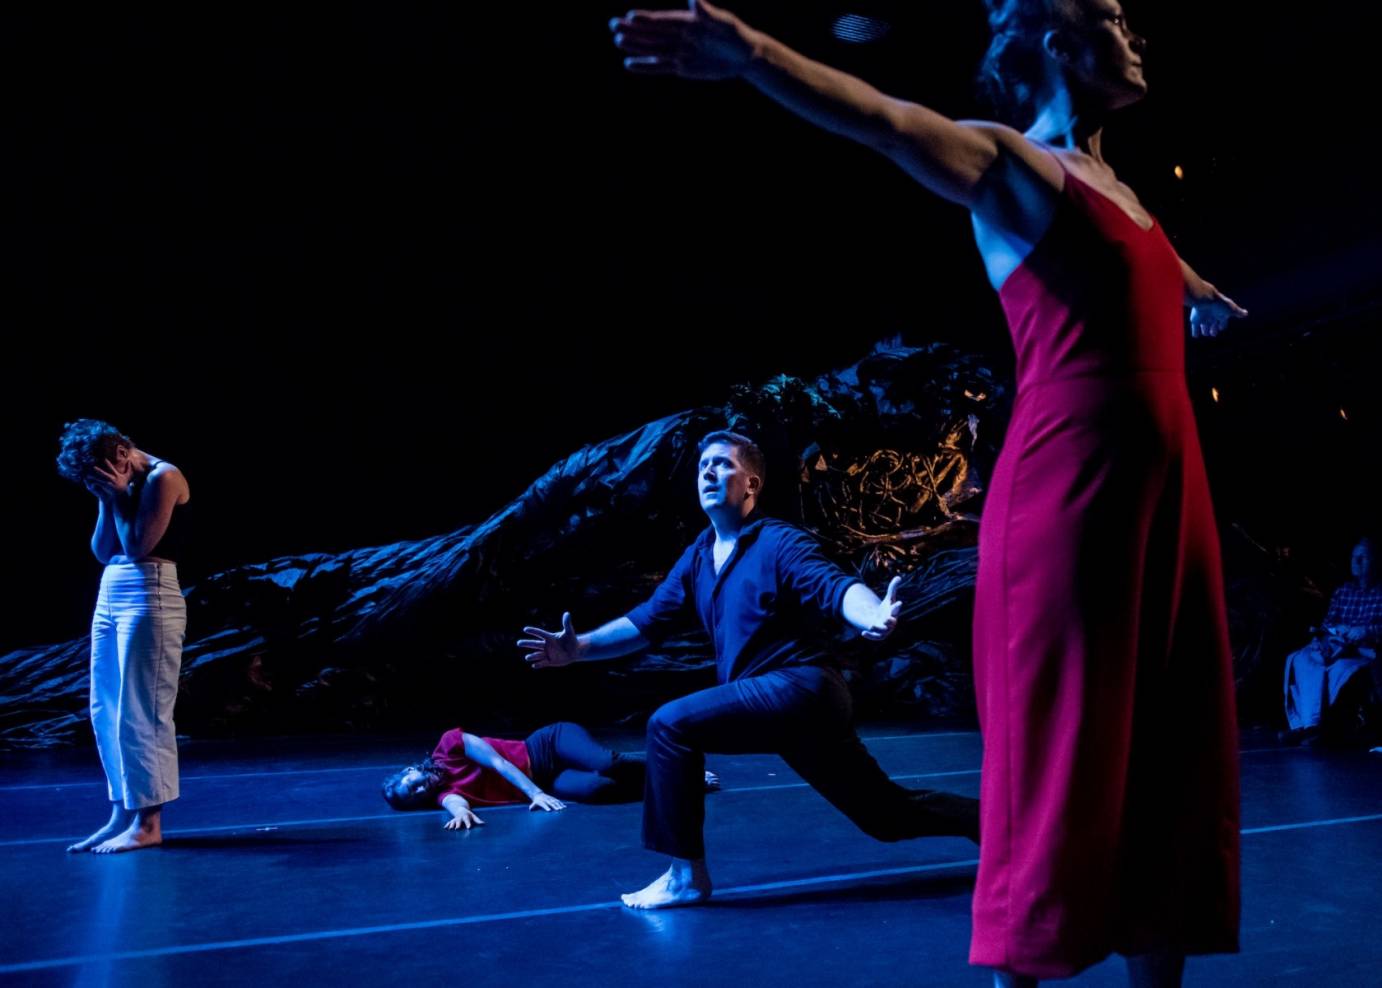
802 713
570 764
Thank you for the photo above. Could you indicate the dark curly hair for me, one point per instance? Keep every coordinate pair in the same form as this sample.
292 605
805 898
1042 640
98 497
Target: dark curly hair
86 442
1012 67
401 798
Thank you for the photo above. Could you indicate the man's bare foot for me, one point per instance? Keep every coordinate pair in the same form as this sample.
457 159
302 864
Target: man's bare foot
684 883
119 819
145 830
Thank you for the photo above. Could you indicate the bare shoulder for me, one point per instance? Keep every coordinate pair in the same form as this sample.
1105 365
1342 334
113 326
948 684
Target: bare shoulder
1016 149
166 477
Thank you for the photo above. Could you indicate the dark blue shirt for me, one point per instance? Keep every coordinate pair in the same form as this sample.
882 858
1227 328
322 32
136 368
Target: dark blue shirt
767 607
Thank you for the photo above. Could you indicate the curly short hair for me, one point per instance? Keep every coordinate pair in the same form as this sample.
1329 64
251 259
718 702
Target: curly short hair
401 798
86 442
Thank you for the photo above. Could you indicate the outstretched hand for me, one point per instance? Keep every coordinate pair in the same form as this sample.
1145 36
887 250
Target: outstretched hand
885 618
551 648
701 42
1211 314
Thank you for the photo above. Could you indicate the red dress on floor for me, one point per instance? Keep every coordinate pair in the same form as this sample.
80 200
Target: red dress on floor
1109 798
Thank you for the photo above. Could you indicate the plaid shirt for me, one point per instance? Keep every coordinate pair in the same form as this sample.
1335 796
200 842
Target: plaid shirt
1352 605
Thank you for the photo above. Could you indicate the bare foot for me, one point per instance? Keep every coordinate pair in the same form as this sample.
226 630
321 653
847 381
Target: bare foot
145 830
685 883
712 781
119 819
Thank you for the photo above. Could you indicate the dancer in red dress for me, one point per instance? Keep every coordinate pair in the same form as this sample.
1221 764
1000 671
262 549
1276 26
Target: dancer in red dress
1109 798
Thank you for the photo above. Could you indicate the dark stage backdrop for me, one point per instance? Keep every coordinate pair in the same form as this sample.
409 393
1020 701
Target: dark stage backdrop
364 270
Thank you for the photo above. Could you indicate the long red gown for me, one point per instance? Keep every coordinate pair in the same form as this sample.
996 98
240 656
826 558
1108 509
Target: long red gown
1109 798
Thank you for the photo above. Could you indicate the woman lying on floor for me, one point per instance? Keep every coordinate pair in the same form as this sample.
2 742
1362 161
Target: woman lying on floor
558 762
